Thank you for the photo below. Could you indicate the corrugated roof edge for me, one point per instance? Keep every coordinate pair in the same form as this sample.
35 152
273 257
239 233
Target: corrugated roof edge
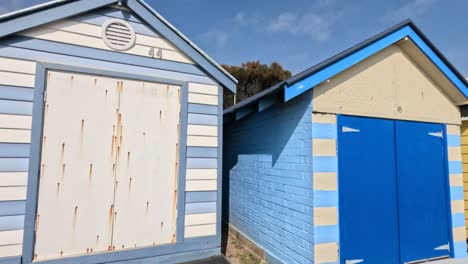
32 9
304 74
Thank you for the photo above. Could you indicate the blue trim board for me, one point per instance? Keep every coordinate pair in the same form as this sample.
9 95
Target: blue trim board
198 197
16 93
325 163
203 109
325 199
14 150
360 55
8 208
220 166
326 234
11 260
202 163
182 166
198 152
199 119
456 193
324 131
15 107
117 13
11 222
453 140
14 164
455 167
458 220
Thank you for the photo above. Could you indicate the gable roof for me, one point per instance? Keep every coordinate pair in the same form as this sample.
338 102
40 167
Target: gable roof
323 71
59 9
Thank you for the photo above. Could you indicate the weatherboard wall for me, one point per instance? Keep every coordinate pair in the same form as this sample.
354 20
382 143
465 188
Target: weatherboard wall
54 44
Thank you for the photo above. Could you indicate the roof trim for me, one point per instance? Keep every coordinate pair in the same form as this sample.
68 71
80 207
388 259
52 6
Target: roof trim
60 9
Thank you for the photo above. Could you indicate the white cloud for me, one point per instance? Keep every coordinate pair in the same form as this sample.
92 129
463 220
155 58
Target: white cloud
243 19
412 9
218 37
316 26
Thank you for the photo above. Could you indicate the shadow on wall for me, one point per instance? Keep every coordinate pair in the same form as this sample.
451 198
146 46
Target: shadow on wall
270 137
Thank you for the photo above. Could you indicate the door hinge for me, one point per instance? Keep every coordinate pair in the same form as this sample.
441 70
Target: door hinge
437 134
443 247
349 130
354 261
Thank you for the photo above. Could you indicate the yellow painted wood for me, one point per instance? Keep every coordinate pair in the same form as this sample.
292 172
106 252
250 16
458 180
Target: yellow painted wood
325 181
199 130
323 118
203 88
15 121
16 79
11 237
19 66
201 185
201 141
326 253
200 219
200 230
202 99
459 234
324 147
453 130
13 179
201 174
458 206
324 216
454 153
11 250
15 136
456 180
13 193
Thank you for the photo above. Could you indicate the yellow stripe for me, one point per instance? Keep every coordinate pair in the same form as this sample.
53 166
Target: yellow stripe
454 153
324 147
456 180
458 206
459 234
453 130
325 181
323 118
326 252
325 216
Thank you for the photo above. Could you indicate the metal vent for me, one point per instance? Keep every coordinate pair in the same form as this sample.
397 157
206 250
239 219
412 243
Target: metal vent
118 34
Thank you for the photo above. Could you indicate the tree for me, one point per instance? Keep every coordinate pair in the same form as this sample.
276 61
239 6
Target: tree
253 78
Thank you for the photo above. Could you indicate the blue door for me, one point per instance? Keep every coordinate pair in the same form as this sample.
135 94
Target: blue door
422 191
368 191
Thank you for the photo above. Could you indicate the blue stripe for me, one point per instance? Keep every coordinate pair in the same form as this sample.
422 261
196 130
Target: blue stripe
16 93
325 199
8 150
458 220
202 152
455 167
324 131
117 13
198 119
456 193
203 109
325 164
459 250
453 140
202 163
11 260
326 234
197 197
12 208
14 164
200 208
14 222
15 107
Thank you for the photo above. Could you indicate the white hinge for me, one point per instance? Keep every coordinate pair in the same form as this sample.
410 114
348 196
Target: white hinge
443 247
436 134
349 130
354 261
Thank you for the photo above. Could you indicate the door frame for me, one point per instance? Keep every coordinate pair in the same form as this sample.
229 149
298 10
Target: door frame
181 244
446 176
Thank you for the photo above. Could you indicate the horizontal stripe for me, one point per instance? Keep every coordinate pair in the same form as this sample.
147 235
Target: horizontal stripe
456 193
326 234
325 164
15 136
454 153
201 141
202 99
13 179
12 208
202 163
455 167
14 164
14 193
324 131
459 249
20 66
199 119
458 220
324 147
15 107
459 234
200 219
201 185
456 179
196 197
200 230
201 174
323 118
453 140
325 181
203 109
199 152
11 150
200 208
458 206
14 222
453 130
118 13
326 198
202 88
16 93
11 237
16 79
326 253
197 130
16 121
324 216
10 252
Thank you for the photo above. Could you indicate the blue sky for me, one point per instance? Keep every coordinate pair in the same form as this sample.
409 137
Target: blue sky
301 33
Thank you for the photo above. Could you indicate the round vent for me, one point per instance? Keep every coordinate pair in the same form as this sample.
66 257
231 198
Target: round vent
118 34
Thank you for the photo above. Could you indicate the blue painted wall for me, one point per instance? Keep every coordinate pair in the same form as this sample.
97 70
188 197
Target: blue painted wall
267 179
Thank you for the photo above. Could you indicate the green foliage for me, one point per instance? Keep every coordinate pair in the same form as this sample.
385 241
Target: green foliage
253 78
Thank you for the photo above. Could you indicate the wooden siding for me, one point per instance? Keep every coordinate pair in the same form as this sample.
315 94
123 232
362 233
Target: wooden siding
86 31
16 83
464 151
202 171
